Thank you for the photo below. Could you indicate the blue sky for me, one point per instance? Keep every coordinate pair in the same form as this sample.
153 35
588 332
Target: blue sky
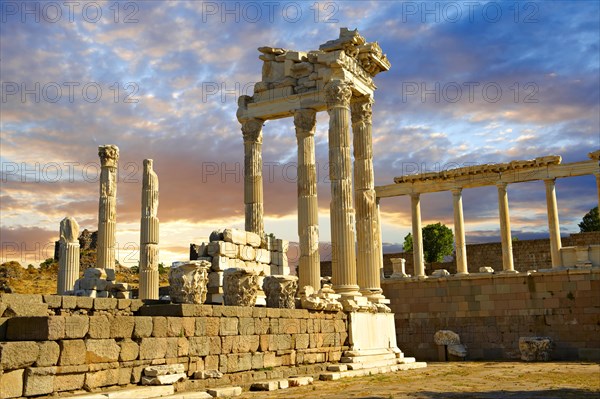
470 83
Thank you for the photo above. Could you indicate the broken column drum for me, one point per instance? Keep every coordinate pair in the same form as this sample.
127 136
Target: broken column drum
149 231
68 264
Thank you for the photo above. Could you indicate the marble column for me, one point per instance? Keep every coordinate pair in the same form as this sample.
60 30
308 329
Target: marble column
365 201
107 213
343 262
505 236
417 234
553 224
149 279
309 265
68 263
253 182
598 187
459 233
379 233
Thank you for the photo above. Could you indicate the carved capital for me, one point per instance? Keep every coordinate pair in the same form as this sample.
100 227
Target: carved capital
338 92
457 191
362 110
252 130
305 121
109 155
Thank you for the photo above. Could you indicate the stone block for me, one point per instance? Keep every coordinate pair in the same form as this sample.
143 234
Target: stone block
142 327
222 248
11 384
48 354
164 369
253 239
39 381
99 327
246 253
105 303
101 378
263 255
228 326
246 326
53 301
68 382
215 279
85 302
234 236
121 326
299 381
153 348
271 385
164 379
3 326
221 263
36 328
72 352
25 309
16 355
199 346
281 245
76 326
159 326
102 351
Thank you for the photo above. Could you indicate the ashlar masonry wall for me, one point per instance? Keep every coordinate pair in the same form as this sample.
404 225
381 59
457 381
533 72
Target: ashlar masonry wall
53 344
490 313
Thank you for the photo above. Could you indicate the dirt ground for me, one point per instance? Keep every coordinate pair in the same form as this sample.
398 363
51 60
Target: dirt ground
460 380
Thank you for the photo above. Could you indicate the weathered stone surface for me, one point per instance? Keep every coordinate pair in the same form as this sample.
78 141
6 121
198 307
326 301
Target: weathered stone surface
15 355
153 348
440 273
72 352
271 385
300 381
225 392
107 212
206 374
25 309
280 291
68 382
142 392
222 248
240 287
535 348
164 379
48 354
36 328
164 369
234 236
253 239
129 350
142 327
102 350
11 384
38 381
188 282
99 327
486 269
458 350
76 326
121 326
101 378
446 337
149 233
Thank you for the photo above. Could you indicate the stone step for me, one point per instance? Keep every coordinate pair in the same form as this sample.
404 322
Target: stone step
378 363
225 392
407 360
188 395
141 392
368 352
270 385
332 376
368 358
300 381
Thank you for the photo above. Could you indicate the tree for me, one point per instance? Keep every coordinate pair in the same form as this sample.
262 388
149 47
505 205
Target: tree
590 222
438 241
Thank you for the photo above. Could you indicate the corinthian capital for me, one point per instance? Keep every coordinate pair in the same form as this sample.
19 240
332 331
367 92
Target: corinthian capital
252 130
305 121
109 155
338 92
361 110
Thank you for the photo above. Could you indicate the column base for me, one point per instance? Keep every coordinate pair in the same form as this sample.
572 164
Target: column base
462 274
347 290
509 272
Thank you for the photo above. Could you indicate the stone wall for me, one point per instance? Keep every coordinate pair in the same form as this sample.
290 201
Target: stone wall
490 313
104 342
527 255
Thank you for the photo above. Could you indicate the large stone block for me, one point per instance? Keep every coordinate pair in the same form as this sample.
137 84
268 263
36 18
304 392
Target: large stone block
49 328
246 253
159 326
16 355
105 303
39 381
101 378
253 239
68 382
102 351
76 326
48 354
153 348
142 327
121 326
222 248
99 327
72 352
11 384
234 236
229 326
25 309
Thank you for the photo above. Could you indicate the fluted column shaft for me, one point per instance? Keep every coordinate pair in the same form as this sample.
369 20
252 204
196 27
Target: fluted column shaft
305 121
417 234
598 186
149 232
380 235
343 262
253 182
107 212
367 234
68 263
459 232
553 223
505 236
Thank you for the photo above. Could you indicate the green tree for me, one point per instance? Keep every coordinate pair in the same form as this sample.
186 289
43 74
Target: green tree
438 241
590 222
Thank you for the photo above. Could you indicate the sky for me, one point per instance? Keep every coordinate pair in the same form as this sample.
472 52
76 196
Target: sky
471 83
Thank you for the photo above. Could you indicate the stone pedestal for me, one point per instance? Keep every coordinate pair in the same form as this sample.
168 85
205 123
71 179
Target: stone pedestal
240 287
343 262
68 266
107 212
280 291
253 182
398 268
308 208
187 282
149 231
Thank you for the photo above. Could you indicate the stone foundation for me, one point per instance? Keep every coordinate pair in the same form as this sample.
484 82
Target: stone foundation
55 344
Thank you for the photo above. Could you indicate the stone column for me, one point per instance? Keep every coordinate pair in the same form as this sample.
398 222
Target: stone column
107 213
253 183
505 236
379 223
417 234
553 224
459 233
68 263
149 234
367 234
309 265
598 186
343 262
